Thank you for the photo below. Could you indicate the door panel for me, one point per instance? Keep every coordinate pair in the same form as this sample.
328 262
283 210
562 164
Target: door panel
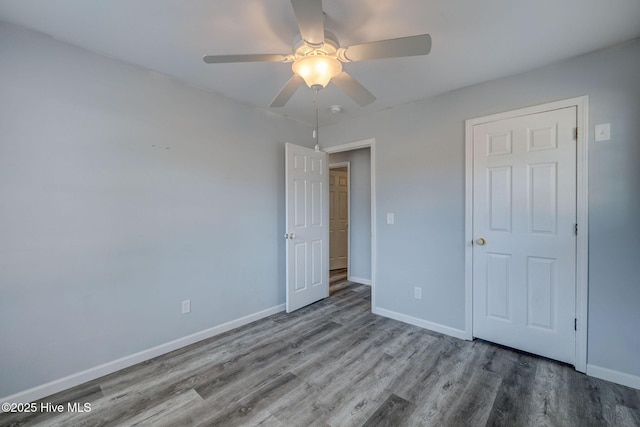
299 265
497 289
339 219
542 198
500 198
541 287
307 226
524 207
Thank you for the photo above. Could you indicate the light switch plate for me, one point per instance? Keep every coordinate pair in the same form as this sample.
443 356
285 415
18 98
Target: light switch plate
603 132
390 218
186 306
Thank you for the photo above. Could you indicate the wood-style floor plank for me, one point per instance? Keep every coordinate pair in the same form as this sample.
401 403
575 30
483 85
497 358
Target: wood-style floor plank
373 390
393 412
514 394
334 363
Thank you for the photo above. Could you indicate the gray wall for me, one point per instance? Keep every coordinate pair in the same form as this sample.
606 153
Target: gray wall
124 192
360 206
420 177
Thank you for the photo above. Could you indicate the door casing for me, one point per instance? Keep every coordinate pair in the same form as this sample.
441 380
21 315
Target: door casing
582 250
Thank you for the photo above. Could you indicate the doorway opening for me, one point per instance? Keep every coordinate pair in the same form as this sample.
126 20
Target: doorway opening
352 213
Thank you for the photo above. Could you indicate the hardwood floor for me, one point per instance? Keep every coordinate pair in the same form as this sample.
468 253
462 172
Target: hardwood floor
337 275
334 363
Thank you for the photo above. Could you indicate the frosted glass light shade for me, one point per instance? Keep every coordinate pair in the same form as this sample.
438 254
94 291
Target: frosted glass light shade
317 69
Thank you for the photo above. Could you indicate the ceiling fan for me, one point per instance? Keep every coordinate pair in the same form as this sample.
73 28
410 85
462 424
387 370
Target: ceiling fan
317 56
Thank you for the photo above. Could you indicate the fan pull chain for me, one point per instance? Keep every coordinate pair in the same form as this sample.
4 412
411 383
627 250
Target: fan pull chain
315 131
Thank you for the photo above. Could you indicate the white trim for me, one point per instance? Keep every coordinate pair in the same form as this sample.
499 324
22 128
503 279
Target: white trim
468 230
78 378
614 376
371 144
360 280
436 327
582 249
346 164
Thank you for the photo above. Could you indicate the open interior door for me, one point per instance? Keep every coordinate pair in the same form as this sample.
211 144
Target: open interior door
307 226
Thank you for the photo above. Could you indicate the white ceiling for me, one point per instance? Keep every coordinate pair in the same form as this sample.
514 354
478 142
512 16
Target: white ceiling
473 41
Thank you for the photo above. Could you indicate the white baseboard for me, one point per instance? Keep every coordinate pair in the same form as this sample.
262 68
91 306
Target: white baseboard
436 327
359 280
614 376
78 378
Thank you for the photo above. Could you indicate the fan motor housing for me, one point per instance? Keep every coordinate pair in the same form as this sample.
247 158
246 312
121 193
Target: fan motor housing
329 47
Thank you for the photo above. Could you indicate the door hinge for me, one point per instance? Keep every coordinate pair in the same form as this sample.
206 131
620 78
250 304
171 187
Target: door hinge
576 229
576 134
575 324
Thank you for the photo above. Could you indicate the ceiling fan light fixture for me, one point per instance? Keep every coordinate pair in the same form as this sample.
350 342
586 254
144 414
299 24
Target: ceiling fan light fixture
317 70
317 56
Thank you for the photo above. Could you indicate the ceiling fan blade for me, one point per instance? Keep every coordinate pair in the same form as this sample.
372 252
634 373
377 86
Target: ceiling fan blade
391 48
355 90
310 20
221 59
287 91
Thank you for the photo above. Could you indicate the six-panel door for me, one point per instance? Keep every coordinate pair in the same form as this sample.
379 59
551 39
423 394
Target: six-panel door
307 226
338 218
524 198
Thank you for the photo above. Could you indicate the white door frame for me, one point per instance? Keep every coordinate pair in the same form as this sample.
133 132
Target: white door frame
371 144
582 248
337 165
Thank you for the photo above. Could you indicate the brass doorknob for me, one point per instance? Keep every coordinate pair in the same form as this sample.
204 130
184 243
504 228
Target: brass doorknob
480 241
